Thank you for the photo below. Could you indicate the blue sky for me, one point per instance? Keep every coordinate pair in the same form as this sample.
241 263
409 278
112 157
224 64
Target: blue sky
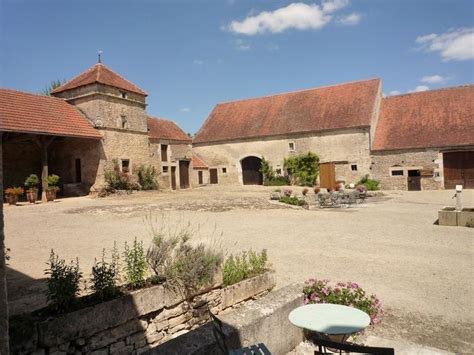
190 55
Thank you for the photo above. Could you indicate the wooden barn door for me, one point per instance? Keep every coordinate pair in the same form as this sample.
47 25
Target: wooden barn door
213 176
184 174
458 169
327 175
251 174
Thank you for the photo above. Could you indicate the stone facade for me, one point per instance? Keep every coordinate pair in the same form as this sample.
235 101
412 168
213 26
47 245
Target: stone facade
344 147
384 163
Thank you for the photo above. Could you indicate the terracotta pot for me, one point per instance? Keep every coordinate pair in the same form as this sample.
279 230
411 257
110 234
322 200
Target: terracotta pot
12 199
50 195
32 195
317 189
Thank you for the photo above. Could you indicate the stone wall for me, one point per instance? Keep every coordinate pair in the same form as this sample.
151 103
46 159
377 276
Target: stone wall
349 146
385 162
195 177
137 322
19 161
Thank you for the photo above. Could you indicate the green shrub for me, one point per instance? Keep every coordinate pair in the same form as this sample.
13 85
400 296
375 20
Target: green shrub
267 171
63 283
135 265
243 266
277 181
105 276
118 180
53 180
304 167
147 177
293 200
32 181
370 184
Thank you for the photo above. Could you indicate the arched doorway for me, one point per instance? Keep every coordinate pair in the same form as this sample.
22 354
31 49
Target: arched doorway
251 174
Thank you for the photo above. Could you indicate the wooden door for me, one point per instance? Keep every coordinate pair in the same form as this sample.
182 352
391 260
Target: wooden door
213 176
458 169
173 178
184 174
251 174
327 175
200 177
414 180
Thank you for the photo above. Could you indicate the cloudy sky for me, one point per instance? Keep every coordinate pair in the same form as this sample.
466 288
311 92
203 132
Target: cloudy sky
190 55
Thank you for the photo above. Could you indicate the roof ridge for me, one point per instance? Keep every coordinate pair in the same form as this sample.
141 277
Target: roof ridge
123 78
33 94
431 90
299 91
74 78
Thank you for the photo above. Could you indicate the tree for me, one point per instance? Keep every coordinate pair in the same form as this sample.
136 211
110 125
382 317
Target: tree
51 86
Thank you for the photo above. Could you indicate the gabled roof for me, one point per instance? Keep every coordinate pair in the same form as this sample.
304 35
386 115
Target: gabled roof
347 105
99 73
37 114
436 118
198 162
159 128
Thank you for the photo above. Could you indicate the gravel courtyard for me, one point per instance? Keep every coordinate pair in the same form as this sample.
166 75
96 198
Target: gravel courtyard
422 272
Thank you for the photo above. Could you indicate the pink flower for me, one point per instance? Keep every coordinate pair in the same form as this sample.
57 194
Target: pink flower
306 301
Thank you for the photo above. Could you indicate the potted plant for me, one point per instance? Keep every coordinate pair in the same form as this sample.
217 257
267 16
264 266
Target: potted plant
53 188
12 194
317 189
31 183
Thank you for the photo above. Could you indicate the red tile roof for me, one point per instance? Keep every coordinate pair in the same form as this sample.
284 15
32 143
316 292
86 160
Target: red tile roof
198 162
437 118
99 73
29 113
345 105
159 128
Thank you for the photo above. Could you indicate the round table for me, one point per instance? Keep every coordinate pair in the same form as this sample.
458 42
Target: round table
331 319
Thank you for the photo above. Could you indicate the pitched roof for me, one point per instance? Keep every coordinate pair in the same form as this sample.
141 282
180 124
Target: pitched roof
37 114
198 162
332 107
437 118
99 73
159 128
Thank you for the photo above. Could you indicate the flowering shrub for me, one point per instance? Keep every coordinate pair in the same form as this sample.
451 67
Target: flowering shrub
345 293
287 192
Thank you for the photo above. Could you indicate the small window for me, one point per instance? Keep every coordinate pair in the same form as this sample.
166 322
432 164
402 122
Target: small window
125 165
165 169
291 146
224 170
278 171
397 172
123 120
354 167
164 152
123 94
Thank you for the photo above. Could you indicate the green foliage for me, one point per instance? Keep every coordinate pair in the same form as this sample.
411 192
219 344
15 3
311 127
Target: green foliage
267 171
304 167
135 264
370 184
116 179
63 282
293 200
147 177
52 85
53 180
244 265
14 191
105 276
277 181
32 181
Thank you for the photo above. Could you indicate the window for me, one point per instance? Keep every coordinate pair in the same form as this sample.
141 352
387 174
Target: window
278 171
123 94
165 169
125 165
164 152
354 167
224 170
397 172
123 120
291 146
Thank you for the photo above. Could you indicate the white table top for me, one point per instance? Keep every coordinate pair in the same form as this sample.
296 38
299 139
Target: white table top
329 318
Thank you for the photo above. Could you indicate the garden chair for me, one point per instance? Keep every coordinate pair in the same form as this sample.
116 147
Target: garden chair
347 348
219 335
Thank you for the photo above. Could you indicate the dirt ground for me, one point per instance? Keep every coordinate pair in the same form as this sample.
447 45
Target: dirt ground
391 246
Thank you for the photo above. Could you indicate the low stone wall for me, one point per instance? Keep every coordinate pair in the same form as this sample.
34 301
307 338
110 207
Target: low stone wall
137 322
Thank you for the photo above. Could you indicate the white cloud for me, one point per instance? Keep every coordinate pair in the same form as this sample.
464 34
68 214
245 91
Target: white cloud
419 88
394 92
350 20
456 44
432 79
241 45
185 109
198 61
298 16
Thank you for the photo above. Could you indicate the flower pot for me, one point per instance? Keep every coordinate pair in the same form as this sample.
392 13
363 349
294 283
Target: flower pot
50 195
317 189
32 195
12 199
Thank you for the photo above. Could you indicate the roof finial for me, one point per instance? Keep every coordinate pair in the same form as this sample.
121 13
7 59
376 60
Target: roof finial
99 60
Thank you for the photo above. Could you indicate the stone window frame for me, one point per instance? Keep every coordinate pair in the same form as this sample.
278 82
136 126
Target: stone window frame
123 121
224 170
292 146
167 149
165 169
124 94
354 165
122 160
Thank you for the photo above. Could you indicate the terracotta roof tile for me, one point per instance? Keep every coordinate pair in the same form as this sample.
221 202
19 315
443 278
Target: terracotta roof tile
198 162
99 73
159 128
29 113
437 118
332 107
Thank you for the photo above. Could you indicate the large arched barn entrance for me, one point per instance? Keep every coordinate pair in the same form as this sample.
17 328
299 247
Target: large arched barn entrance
251 174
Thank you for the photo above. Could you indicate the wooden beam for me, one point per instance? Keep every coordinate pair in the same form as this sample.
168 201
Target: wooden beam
43 143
